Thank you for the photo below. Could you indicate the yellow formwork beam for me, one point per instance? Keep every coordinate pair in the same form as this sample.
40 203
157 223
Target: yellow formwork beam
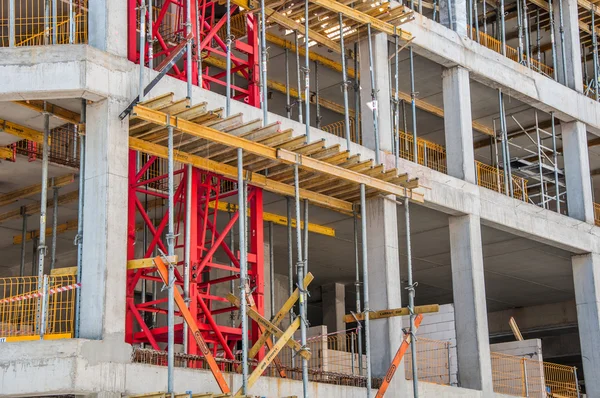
147 262
277 219
57 111
34 189
35 207
419 309
6 153
21 131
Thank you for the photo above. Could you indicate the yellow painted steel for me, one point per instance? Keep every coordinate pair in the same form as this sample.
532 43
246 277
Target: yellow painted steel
419 309
493 178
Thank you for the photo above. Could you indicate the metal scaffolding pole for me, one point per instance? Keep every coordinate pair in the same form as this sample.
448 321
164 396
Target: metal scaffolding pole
363 218
290 245
263 68
43 199
595 52
540 166
300 278
374 103
552 40
305 232
288 106
271 270
54 21
199 54
538 38
150 40
476 13
11 23
188 50
411 300
396 132
470 18
520 32
171 281
306 74
413 105
527 39
505 151
344 85
298 77
187 250
357 287
228 61
142 50
23 241
563 51
317 106
71 23
555 160
503 28
79 237
54 226
243 266
357 124
47 21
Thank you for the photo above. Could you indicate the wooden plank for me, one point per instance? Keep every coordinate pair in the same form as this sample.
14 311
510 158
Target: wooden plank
269 326
34 189
6 153
255 179
271 355
191 322
58 111
285 156
60 228
515 329
419 309
35 207
64 271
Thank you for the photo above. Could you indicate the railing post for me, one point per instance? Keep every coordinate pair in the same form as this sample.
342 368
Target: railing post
576 381
525 381
352 350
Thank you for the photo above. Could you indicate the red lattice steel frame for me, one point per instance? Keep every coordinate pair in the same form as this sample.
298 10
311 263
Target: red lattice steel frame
210 229
169 29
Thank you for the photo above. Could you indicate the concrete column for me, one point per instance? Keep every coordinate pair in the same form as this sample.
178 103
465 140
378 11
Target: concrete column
574 78
107 26
577 171
379 42
105 222
457 124
384 287
333 298
586 276
468 286
458 10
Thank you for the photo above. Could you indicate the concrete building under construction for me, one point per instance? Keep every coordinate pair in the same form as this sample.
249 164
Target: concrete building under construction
309 198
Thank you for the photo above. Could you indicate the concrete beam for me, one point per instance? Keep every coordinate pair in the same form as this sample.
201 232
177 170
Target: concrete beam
333 299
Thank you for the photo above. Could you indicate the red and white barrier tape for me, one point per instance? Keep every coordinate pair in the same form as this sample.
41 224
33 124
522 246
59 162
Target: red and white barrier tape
37 294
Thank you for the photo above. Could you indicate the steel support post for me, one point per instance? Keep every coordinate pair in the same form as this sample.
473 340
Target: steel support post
306 74
47 21
142 50
228 60
505 147
79 236
171 252
55 22
344 84
290 245
305 232
563 51
271 270
476 13
538 38
357 125
298 77
374 103
520 32
54 226
413 104
23 241
357 287
502 28
188 50
43 199
552 40
595 52
396 132
555 161
187 251
470 19
243 266
300 278
263 63
11 23
71 23
411 300
526 27
150 38
288 106
317 106
44 307
365 263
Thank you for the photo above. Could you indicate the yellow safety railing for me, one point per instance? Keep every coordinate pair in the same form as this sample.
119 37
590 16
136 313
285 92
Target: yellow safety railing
25 303
493 178
524 377
496 45
597 214
338 129
32 28
429 154
433 361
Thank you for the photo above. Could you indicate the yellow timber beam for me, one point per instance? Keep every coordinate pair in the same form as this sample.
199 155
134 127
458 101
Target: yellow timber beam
6 153
58 111
277 219
361 17
267 152
21 193
60 228
147 262
35 207
255 179
21 131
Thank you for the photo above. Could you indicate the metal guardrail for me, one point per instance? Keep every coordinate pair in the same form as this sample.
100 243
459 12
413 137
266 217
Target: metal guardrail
31 309
524 377
64 146
493 178
597 213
